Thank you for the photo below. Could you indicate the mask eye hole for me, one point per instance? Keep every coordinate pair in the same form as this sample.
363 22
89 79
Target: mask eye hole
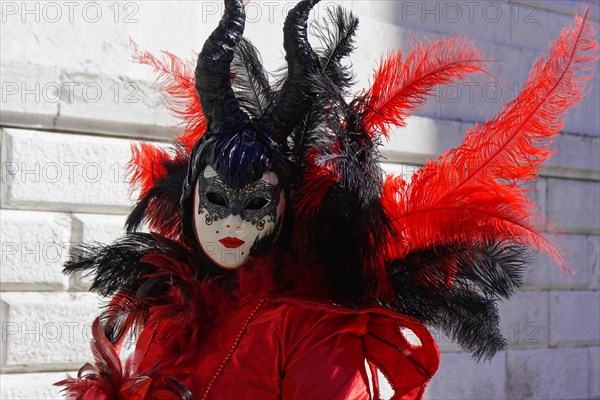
256 203
216 199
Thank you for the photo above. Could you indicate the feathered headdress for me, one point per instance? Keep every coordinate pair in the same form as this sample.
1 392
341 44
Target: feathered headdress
443 247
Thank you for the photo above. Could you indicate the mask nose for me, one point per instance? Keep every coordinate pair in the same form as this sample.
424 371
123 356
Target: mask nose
233 222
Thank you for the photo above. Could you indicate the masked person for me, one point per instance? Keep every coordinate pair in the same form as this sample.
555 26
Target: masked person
281 263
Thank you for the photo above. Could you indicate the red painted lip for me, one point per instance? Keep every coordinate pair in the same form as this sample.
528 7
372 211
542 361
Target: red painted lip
231 243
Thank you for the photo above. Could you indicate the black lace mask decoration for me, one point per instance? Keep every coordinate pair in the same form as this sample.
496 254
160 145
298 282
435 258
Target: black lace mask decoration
252 203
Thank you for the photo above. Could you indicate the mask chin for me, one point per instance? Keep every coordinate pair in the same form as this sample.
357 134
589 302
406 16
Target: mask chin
233 224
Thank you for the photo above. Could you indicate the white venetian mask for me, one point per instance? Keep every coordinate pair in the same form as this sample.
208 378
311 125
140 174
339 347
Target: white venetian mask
229 222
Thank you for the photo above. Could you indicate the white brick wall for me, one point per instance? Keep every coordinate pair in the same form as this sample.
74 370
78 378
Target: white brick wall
64 172
47 330
34 246
460 378
578 252
575 317
573 205
94 228
594 382
32 386
71 103
548 373
525 320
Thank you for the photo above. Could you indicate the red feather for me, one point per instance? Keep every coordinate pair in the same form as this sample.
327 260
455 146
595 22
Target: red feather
400 87
477 192
146 166
318 178
101 381
108 380
177 85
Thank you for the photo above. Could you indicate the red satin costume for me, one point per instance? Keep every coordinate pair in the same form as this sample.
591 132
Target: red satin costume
293 345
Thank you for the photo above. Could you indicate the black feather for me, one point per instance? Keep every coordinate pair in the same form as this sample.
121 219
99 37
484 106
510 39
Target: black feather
177 388
352 222
337 42
350 151
250 81
336 35
135 286
310 136
160 207
118 272
456 288
124 314
115 267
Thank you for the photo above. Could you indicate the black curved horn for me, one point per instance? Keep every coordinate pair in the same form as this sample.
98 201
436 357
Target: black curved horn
213 83
292 101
